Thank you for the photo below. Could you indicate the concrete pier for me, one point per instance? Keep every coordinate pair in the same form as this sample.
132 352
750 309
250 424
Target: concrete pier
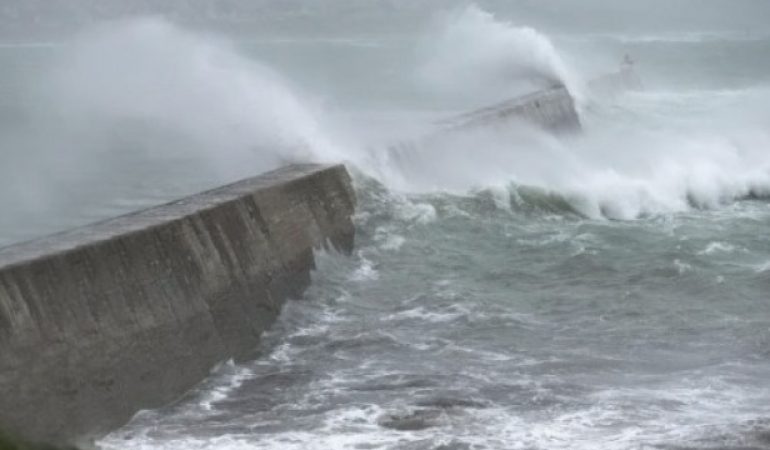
127 314
552 110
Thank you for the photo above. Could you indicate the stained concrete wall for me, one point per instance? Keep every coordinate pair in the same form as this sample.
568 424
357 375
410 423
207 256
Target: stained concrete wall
130 313
551 109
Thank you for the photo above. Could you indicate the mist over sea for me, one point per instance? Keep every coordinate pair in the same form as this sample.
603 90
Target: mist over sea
511 289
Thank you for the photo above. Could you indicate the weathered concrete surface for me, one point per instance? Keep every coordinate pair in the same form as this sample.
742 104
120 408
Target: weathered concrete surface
99 322
551 109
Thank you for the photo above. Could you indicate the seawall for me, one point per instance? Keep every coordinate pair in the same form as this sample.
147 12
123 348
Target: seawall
551 109
130 313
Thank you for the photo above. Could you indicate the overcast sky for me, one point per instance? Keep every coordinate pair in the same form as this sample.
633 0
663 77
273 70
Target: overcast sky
30 18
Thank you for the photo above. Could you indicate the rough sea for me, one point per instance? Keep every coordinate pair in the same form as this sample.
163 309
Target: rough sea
510 289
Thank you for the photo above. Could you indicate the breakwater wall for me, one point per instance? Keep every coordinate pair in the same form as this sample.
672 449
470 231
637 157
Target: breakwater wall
130 313
551 109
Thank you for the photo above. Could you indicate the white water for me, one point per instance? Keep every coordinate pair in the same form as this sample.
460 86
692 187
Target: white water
572 333
626 164
140 90
472 54
643 154
148 90
236 110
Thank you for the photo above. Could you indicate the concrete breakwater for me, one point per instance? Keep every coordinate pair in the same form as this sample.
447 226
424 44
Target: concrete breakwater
551 109
99 322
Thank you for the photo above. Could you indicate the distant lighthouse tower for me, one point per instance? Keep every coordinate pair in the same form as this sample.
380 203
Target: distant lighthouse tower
629 77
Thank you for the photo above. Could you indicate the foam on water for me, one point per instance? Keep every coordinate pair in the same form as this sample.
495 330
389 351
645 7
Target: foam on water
484 303
196 97
644 164
230 377
470 372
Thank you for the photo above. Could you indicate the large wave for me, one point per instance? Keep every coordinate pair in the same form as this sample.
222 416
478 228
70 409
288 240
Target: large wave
226 108
640 154
628 163
471 52
149 86
137 107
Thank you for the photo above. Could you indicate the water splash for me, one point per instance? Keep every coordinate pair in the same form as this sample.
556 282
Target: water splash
473 53
215 103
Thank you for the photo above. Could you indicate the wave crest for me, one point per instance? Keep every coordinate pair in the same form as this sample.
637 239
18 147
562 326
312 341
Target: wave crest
474 54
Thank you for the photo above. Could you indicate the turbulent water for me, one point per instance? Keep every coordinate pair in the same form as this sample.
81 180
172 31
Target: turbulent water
510 289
